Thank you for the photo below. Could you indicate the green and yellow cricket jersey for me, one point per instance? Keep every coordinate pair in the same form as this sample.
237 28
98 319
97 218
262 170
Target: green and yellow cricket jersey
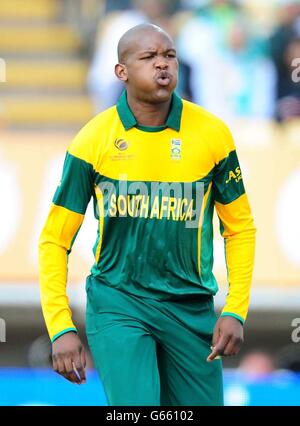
154 191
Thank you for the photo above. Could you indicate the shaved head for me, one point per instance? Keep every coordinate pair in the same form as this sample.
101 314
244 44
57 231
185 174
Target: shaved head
127 42
147 64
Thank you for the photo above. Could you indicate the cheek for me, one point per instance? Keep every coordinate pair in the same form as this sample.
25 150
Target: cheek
142 74
175 74
175 67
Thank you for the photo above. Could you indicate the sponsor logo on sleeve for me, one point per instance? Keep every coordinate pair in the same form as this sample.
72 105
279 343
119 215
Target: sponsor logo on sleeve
234 175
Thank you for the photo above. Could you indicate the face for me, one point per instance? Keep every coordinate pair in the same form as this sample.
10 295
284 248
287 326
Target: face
150 71
292 52
237 38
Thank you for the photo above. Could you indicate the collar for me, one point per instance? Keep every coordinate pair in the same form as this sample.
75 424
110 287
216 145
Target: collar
129 120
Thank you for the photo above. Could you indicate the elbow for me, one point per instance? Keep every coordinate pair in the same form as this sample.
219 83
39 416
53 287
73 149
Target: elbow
245 230
46 242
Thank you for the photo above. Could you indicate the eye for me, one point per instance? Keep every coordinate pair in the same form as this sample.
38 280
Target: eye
147 57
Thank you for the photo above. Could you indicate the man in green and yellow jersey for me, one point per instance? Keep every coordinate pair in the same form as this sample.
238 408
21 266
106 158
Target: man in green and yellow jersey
156 166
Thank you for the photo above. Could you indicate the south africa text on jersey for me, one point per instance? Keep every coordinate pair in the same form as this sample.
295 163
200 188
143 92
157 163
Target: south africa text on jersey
144 206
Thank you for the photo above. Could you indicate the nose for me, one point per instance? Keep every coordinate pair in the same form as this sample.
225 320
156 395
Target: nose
161 63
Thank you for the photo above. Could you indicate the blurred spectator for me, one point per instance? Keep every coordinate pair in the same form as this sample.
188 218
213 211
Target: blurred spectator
83 17
39 353
192 4
231 74
184 81
200 51
103 85
257 364
246 76
112 5
288 358
285 44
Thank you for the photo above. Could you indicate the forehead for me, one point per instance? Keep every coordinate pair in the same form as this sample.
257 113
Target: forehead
150 40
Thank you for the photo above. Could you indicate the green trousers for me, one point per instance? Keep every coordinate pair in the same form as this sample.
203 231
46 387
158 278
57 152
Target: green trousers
151 352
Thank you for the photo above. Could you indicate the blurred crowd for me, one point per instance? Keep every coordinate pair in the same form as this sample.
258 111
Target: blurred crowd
237 58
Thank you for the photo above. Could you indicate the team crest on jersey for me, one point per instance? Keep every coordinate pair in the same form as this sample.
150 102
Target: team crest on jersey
121 144
176 149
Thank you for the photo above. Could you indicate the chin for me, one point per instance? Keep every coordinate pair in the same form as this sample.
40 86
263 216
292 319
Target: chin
163 94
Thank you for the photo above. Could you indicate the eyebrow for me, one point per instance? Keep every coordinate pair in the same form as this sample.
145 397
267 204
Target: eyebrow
172 49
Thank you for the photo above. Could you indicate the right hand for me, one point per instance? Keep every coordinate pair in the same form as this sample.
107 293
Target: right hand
68 357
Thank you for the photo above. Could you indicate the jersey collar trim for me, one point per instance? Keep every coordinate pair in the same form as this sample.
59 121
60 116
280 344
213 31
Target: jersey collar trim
129 120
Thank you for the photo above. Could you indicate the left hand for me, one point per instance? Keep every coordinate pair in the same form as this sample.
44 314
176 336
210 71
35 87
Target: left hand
228 337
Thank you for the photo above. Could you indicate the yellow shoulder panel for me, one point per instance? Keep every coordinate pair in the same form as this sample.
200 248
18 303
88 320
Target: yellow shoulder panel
88 142
210 128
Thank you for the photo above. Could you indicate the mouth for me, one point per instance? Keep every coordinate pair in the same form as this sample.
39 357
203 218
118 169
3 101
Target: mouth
163 78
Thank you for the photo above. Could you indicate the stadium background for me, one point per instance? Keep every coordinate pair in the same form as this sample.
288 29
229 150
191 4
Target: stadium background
56 59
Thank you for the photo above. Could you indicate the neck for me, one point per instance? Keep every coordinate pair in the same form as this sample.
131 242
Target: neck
149 114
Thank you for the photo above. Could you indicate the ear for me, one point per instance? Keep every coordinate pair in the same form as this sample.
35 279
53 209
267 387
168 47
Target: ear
121 72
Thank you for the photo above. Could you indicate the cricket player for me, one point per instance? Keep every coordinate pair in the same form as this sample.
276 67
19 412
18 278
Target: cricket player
156 166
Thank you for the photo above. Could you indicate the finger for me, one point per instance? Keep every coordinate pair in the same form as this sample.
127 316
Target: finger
59 366
54 365
229 350
83 357
216 336
233 346
78 366
83 360
68 377
214 354
219 348
70 374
